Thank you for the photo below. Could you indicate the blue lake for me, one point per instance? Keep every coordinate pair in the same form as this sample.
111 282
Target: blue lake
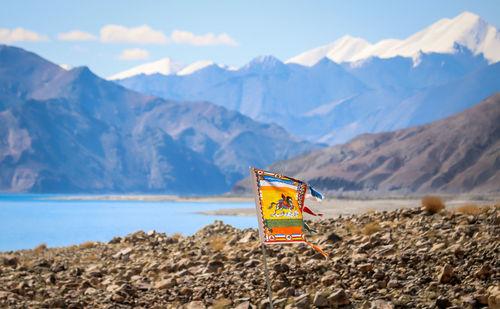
29 220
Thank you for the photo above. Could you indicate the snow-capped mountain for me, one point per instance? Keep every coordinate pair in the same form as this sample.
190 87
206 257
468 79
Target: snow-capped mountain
199 65
165 66
467 30
323 97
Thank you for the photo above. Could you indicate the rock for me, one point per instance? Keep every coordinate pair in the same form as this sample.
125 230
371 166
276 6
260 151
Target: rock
118 297
446 274
115 240
247 238
494 298
332 237
443 302
338 298
214 266
196 305
381 304
483 272
10 261
364 268
393 284
90 291
244 305
123 252
302 301
281 267
320 300
251 263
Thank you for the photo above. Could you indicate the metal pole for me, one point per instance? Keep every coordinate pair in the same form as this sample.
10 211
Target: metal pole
267 277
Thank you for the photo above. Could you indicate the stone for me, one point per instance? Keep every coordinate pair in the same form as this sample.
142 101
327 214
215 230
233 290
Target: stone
281 267
243 305
214 266
483 272
251 263
302 301
117 297
247 238
10 261
123 252
332 237
338 298
381 304
320 300
446 274
443 302
90 291
364 268
196 305
494 298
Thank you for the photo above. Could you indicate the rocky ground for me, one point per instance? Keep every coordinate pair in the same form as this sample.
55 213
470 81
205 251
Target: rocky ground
406 258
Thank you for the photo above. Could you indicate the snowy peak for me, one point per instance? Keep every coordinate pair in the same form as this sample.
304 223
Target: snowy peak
199 65
165 66
337 51
264 64
466 29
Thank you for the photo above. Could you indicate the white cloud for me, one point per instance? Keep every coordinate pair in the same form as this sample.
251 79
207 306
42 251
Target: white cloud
141 35
186 37
134 54
76 35
20 35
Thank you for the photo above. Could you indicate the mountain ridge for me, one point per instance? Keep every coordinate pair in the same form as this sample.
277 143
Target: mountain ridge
458 154
75 132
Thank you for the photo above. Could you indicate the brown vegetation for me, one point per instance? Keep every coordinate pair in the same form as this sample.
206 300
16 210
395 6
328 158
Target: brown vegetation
217 243
432 204
469 209
87 245
40 248
371 228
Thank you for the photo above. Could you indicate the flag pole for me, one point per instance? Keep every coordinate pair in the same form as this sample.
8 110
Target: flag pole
267 276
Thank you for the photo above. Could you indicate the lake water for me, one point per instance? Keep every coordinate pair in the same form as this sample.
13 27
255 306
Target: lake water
29 220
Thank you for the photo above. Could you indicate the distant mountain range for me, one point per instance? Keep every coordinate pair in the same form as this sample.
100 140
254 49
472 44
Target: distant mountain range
458 154
335 92
71 131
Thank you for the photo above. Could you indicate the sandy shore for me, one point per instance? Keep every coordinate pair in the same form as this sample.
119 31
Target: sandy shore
329 207
334 207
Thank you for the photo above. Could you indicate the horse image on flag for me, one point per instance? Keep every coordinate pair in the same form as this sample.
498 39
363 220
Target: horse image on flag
279 201
284 205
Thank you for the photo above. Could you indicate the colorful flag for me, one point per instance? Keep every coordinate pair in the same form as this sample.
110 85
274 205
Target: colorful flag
279 201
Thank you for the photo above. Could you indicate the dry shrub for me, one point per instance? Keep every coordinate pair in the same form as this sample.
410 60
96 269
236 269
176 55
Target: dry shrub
177 235
90 258
469 209
371 228
485 209
370 211
350 227
432 204
40 248
87 245
217 243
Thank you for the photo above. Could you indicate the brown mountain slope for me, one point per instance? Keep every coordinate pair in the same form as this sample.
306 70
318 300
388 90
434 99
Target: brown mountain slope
458 154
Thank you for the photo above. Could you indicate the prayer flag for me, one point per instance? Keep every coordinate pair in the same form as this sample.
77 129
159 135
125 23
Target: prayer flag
279 201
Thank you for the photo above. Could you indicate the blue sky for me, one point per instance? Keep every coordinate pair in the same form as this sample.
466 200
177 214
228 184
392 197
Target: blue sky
123 34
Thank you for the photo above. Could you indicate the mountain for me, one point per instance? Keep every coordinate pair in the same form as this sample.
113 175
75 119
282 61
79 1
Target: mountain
336 92
71 131
165 66
467 30
458 154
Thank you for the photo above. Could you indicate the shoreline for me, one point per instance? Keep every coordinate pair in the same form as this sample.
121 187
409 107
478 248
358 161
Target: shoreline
330 207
